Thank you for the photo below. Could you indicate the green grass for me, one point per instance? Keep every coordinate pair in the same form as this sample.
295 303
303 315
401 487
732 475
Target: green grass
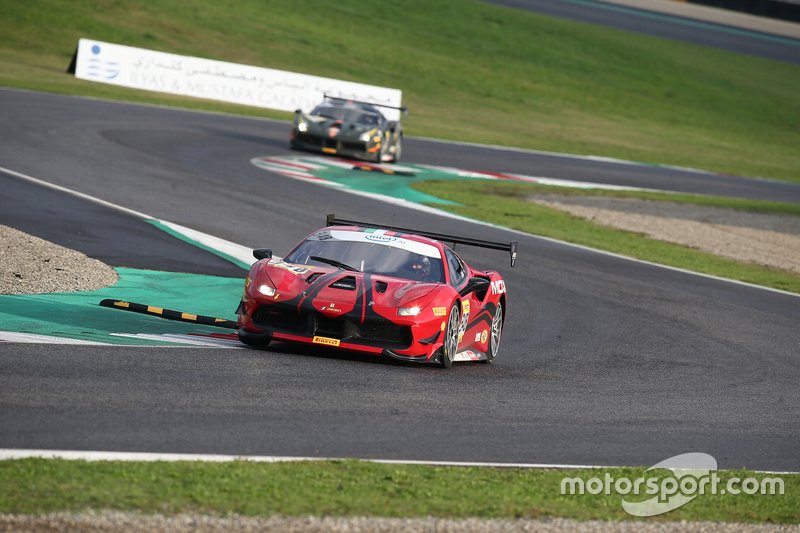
524 190
349 488
506 204
469 71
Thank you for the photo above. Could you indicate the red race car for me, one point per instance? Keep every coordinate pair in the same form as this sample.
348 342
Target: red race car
376 289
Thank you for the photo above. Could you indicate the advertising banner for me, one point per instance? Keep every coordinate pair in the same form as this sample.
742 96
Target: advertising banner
218 80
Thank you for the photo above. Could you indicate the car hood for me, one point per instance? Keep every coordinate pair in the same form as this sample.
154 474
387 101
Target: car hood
323 125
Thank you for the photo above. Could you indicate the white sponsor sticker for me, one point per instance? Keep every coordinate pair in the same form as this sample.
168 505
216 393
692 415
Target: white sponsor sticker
380 237
498 286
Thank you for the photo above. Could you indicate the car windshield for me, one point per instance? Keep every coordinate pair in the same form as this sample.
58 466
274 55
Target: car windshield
372 253
347 114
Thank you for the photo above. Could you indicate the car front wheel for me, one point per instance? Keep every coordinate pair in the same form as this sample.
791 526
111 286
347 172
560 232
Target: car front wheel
255 342
451 337
398 150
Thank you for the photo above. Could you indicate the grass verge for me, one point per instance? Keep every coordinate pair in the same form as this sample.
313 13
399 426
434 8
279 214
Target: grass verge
523 190
507 206
353 488
469 71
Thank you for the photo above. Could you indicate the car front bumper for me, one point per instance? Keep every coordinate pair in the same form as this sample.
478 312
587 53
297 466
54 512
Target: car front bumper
406 340
334 146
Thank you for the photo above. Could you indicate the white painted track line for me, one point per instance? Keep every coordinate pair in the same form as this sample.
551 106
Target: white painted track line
232 249
31 338
82 455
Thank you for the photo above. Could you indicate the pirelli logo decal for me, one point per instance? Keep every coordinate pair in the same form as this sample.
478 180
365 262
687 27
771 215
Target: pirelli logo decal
327 341
439 311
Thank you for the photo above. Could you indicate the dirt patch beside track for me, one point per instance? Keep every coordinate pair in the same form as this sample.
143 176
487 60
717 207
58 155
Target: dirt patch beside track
30 265
764 239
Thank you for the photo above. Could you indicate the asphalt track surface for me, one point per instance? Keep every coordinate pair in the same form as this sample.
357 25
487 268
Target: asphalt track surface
119 239
666 26
604 361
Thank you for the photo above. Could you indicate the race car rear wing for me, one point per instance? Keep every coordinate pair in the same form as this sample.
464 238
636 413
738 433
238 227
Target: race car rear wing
402 109
510 247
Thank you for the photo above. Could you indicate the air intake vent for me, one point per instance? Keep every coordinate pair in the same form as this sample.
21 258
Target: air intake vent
313 277
347 283
381 286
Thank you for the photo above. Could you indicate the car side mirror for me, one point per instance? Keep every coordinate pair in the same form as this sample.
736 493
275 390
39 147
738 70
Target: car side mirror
262 253
474 285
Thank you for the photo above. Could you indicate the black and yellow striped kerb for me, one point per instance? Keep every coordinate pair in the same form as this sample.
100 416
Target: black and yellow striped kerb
169 314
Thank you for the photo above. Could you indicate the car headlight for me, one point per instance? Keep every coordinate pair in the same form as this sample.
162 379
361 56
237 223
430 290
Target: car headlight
409 311
266 290
364 137
302 127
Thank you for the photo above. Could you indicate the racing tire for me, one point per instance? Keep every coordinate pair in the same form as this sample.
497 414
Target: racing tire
379 154
398 150
495 332
450 345
261 342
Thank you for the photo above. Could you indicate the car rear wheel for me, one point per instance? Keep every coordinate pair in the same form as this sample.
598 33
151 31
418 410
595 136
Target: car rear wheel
451 337
494 334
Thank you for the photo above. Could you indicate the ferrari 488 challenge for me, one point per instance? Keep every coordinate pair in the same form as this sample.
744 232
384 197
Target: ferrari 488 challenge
376 289
349 128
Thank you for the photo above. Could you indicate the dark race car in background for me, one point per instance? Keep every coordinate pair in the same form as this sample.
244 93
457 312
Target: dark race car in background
349 128
374 289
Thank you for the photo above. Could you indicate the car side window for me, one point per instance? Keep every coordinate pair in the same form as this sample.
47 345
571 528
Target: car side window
457 270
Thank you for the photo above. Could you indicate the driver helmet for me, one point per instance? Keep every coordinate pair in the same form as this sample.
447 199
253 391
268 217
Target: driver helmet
422 267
